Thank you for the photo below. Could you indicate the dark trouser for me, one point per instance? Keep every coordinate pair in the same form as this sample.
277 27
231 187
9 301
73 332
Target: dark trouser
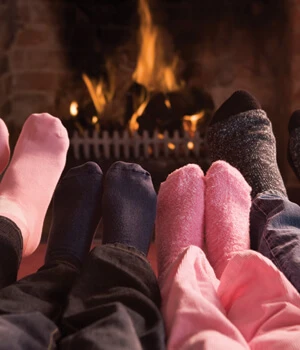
114 304
275 233
31 308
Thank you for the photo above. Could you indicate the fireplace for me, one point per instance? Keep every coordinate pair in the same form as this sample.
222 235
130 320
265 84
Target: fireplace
90 64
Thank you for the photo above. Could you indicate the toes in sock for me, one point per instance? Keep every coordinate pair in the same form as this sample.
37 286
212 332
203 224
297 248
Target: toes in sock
128 206
4 146
227 204
29 182
75 214
180 212
246 141
294 143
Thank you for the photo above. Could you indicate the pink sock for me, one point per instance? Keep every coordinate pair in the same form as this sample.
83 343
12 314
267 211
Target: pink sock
227 210
29 182
180 214
4 146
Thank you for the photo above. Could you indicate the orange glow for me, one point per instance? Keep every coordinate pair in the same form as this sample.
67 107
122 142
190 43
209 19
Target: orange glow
154 70
190 122
95 119
190 145
160 136
171 146
74 109
168 103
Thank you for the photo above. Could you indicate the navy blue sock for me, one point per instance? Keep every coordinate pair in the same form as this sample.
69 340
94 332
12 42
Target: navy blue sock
76 213
128 206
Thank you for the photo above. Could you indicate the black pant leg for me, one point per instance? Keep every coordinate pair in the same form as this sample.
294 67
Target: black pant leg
114 304
45 291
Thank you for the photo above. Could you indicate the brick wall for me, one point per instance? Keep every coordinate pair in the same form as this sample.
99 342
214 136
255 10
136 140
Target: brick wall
37 57
6 35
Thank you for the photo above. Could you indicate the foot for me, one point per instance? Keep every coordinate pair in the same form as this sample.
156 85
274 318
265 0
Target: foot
75 215
128 206
241 134
227 211
29 182
180 214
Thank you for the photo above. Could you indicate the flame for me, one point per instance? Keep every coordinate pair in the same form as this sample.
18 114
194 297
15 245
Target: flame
171 146
190 122
95 119
133 124
154 70
74 108
96 90
190 145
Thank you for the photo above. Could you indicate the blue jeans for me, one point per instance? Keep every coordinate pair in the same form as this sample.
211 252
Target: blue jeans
275 233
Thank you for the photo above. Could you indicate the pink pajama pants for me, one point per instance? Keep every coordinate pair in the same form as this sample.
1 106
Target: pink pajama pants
252 306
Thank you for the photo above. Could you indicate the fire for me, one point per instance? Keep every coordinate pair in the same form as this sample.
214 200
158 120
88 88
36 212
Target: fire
133 124
96 90
171 146
74 108
190 145
154 70
190 122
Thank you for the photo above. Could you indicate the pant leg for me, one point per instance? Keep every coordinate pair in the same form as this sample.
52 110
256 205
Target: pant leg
261 302
275 233
31 331
114 304
11 244
45 291
192 310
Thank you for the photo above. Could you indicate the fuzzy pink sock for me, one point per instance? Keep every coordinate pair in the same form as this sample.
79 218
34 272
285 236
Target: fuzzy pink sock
227 210
29 182
180 214
4 146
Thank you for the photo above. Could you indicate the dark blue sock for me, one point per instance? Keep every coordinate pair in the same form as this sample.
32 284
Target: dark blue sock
128 206
76 213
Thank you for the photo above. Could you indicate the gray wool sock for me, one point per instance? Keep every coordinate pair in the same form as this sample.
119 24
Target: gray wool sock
246 141
294 143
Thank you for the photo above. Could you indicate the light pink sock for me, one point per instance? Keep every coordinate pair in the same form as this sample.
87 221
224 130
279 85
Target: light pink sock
4 146
180 214
29 182
227 210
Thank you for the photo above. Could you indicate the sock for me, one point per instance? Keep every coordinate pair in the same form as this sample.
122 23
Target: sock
4 146
29 182
75 214
244 138
180 212
294 143
227 211
128 206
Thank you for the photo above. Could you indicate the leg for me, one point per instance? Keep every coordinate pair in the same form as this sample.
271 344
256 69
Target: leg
275 233
261 302
227 208
74 220
115 302
192 311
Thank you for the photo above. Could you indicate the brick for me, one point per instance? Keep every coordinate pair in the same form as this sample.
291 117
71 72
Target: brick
3 64
5 109
41 60
41 37
25 104
35 81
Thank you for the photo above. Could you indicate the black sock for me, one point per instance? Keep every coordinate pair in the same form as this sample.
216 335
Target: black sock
129 206
11 245
244 139
294 143
76 213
